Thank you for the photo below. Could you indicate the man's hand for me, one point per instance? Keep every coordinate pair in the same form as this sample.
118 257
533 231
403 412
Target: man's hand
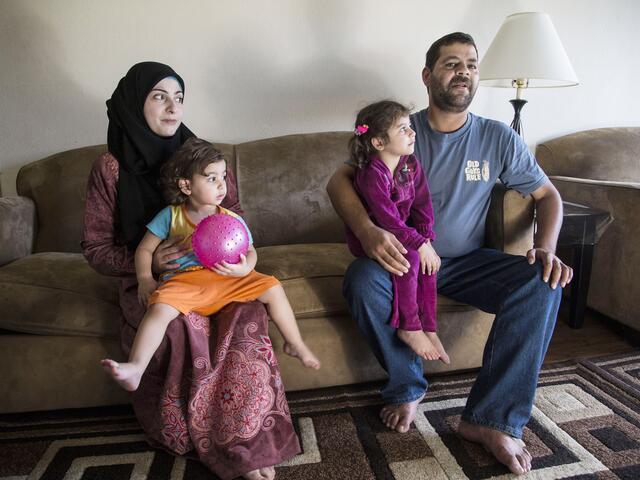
385 249
553 269
168 251
240 269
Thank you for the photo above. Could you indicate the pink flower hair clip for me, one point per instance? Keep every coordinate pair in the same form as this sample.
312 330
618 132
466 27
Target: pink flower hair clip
360 129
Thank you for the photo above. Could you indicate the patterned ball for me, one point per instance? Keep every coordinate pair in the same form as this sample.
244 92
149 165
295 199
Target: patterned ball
219 237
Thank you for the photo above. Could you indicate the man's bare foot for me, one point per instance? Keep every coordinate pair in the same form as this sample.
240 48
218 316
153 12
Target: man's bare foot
266 473
302 352
399 416
509 451
419 343
433 336
126 374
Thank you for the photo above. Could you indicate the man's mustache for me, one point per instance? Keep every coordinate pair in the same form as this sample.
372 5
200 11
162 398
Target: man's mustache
460 80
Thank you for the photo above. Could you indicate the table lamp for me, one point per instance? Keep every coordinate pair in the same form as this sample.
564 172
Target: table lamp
526 53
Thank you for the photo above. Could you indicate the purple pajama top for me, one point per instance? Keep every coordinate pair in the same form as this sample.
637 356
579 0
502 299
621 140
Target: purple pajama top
399 203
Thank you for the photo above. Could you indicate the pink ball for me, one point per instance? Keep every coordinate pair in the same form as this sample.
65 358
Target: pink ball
219 237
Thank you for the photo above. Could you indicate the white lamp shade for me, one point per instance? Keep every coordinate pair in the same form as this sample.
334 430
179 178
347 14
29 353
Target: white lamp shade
527 47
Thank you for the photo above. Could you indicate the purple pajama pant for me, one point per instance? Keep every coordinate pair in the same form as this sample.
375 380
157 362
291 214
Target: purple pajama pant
414 298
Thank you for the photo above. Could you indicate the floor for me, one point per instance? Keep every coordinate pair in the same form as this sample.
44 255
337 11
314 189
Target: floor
598 337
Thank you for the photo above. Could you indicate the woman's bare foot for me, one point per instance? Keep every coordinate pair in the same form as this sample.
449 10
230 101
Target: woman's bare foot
399 416
302 352
444 358
266 473
419 343
126 374
509 451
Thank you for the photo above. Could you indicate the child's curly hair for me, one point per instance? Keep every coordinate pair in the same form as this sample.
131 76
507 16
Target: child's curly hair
192 157
376 119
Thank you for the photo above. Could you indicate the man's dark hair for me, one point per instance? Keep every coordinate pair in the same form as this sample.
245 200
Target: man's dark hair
434 50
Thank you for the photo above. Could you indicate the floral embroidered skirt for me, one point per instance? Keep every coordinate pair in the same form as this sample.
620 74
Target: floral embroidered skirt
213 389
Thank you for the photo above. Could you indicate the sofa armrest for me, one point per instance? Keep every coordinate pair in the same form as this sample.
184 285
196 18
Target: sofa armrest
609 154
17 228
600 183
509 224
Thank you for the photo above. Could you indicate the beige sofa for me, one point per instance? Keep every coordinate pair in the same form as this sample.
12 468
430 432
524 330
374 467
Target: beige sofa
59 317
601 168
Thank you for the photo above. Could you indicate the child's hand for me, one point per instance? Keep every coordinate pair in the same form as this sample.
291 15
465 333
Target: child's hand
429 259
240 269
145 288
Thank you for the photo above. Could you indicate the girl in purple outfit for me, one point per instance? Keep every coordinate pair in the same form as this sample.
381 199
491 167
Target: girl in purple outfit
394 190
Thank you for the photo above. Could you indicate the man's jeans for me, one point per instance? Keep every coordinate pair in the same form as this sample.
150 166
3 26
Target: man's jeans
496 282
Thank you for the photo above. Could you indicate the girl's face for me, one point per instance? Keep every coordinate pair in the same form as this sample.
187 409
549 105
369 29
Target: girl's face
401 138
208 188
163 107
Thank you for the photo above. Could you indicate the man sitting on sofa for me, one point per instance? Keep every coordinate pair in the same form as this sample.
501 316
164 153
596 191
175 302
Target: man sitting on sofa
463 155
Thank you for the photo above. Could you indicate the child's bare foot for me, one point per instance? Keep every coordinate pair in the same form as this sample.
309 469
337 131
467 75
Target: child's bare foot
266 473
444 358
302 352
126 374
419 343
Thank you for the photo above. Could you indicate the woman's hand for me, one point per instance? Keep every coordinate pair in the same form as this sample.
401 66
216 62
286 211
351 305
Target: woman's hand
146 286
165 254
429 259
240 269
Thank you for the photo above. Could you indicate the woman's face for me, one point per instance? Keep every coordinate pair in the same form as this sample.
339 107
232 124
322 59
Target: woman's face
163 107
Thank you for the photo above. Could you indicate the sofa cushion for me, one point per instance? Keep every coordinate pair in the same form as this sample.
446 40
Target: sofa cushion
57 184
610 154
72 299
312 274
282 187
17 227
58 293
83 302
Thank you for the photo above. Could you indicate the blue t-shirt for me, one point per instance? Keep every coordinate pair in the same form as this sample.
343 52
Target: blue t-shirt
462 168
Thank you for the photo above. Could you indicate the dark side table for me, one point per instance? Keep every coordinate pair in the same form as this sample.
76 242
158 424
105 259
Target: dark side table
582 227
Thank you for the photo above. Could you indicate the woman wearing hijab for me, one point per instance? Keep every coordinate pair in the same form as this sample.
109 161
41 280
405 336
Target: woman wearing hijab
196 397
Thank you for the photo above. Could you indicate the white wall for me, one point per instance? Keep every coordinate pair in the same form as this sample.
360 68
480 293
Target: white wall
257 68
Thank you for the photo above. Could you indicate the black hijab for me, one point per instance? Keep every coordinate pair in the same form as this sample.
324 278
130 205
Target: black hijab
139 151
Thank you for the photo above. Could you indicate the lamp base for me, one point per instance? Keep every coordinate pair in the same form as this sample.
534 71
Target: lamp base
516 124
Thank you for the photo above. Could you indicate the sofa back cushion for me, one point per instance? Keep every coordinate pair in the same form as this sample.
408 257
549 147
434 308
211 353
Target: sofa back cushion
57 184
282 185
611 154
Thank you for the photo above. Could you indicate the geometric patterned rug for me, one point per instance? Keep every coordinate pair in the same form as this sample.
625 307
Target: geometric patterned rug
585 425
